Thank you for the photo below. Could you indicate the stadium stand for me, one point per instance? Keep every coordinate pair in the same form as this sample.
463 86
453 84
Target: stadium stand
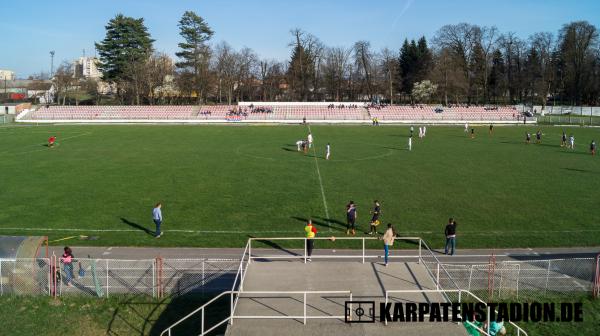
426 112
335 112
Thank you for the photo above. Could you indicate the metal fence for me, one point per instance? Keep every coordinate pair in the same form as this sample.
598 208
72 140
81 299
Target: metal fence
525 279
29 276
103 277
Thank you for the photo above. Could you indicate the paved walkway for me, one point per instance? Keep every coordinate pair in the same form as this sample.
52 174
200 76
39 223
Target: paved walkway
367 282
462 256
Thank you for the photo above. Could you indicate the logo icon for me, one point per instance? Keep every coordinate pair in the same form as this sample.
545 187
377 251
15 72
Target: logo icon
359 312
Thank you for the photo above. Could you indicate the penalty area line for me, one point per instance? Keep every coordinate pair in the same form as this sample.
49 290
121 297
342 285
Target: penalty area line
321 185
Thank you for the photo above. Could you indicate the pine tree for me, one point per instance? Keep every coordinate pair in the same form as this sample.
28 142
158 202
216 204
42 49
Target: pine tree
195 53
126 46
497 75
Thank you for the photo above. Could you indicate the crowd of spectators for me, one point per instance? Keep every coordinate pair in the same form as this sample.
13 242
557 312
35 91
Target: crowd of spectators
376 106
341 106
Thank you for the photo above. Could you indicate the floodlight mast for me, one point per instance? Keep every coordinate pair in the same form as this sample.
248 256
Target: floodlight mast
51 63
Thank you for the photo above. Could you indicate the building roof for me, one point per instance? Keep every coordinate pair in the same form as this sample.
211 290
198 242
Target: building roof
22 83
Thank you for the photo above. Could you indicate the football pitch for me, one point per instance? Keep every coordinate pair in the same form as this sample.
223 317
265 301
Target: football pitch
220 185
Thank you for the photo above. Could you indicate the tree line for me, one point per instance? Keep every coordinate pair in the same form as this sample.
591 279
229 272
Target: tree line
461 64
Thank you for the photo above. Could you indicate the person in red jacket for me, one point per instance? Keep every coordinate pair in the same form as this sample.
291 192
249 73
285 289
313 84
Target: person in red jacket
51 141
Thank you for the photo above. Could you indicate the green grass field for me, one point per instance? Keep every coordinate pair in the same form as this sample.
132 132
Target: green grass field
221 184
90 316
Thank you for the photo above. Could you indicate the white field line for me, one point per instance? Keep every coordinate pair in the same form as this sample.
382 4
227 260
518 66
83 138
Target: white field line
45 149
135 230
321 184
283 231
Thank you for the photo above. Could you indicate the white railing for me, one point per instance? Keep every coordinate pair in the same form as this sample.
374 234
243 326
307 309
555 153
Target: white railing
232 316
304 256
520 331
439 267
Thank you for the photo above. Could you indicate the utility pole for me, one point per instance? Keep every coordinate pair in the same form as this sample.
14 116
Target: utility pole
51 64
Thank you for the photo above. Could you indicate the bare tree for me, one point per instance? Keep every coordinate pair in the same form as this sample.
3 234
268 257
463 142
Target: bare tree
488 38
225 69
578 53
335 71
389 67
246 61
460 41
157 70
543 44
363 59
63 81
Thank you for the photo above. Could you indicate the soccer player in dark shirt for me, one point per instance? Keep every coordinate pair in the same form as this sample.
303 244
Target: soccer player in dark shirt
538 137
527 137
472 133
593 147
563 140
351 218
375 218
491 129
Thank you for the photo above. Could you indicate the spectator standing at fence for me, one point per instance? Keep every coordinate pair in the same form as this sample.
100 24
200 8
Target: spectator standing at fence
388 242
157 218
310 232
450 233
67 259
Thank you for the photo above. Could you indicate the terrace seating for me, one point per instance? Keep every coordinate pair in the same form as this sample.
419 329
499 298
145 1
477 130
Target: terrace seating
428 112
291 111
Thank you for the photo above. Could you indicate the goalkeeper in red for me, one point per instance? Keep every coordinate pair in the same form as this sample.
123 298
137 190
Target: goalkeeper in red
51 141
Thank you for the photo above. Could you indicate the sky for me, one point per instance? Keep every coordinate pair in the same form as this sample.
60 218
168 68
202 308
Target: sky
29 30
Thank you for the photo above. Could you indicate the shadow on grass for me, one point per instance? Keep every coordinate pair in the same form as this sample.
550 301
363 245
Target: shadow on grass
580 170
274 245
332 223
396 148
142 315
138 315
137 226
323 222
572 152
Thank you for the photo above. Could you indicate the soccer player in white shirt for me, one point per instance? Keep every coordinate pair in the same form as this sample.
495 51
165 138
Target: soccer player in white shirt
572 142
327 151
299 144
410 143
424 131
466 127
310 140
